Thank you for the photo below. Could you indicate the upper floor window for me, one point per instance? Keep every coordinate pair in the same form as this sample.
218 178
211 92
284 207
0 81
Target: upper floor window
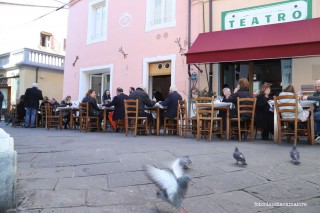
97 21
160 14
45 39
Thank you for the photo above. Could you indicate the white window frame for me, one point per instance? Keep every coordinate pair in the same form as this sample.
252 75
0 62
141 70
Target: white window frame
145 71
93 7
150 15
84 78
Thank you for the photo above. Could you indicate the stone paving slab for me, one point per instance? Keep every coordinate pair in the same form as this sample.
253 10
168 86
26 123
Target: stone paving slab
291 190
52 198
83 183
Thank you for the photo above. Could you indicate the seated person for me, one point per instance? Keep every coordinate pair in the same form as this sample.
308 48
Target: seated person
171 102
302 114
54 103
241 91
222 113
106 98
144 100
94 110
44 101
118 103
21 110
315 97
66 114
157 95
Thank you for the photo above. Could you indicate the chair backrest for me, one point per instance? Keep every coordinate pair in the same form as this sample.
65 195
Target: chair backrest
14 111
204 99
182 109
83 109
131 108
204 107
286 104
246 108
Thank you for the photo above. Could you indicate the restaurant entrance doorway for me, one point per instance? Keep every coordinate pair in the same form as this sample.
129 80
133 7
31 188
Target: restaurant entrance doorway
277 72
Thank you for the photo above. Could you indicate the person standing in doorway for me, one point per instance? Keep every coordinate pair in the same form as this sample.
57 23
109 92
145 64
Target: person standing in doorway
1 101
32 97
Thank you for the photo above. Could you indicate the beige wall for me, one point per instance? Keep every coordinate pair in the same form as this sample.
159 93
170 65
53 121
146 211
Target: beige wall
50 82
305 71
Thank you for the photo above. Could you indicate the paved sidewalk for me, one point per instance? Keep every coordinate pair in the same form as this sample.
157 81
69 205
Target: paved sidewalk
68 171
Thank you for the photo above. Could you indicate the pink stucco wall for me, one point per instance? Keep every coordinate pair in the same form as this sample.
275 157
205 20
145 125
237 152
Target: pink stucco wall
137 43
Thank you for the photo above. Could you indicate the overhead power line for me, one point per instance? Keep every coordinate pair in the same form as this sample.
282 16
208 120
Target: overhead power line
27 5
33 20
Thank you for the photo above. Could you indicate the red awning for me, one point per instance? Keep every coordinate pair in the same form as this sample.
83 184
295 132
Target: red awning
293 39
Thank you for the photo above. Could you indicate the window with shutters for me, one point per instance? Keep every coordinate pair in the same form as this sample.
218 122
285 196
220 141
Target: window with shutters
97 21
160 14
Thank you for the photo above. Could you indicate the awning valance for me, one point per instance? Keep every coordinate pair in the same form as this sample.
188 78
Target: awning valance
293 39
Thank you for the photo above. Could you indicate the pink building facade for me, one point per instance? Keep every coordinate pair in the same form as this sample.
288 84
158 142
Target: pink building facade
114 44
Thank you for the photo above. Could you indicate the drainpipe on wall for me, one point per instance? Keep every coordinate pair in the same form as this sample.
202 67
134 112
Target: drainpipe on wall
211 65
37 71
189 67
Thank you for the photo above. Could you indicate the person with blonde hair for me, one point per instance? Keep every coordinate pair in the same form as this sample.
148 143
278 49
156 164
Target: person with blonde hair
241 91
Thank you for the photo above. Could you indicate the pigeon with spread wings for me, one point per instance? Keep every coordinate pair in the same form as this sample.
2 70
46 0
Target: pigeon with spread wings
172 183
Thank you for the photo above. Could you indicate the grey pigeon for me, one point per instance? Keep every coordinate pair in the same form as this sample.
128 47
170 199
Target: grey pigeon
295 156
172 183
239 157
184 162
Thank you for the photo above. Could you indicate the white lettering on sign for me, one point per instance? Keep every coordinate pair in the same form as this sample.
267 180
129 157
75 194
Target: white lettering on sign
264 15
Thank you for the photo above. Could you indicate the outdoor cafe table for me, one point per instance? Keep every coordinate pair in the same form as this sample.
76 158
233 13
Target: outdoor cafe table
307 104
106 111
158 109
71 109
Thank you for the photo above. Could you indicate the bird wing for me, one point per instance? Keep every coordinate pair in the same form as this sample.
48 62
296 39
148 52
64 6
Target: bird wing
177 168
238 156
164 179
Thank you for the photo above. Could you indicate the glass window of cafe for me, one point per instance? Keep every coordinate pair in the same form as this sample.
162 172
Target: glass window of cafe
277 72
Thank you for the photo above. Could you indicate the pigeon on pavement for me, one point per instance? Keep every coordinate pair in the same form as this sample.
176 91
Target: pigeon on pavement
172 183
239 157
295 156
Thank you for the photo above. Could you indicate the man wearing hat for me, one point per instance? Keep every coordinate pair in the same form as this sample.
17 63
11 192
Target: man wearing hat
31 101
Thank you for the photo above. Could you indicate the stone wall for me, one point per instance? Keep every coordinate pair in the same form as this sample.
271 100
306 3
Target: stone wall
8 169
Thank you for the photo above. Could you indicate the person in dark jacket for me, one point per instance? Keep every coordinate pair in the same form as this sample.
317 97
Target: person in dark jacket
144 99
21 110
171 102
264 113
66 114
118 103
32 97
316 115
157 95
1 101
94 110
241 91
106 98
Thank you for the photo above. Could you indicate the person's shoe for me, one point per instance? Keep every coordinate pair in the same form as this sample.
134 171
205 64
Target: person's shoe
317 140
26 127
32 127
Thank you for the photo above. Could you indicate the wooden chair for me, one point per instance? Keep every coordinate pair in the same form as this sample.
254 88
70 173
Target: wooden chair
171 124
51 117
206 118
284 123
14 113
245 118
132 121
186 124
86 121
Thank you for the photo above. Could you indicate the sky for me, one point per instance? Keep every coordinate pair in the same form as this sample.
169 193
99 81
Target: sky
18 17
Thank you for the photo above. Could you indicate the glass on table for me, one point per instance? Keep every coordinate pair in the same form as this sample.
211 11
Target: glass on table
299 94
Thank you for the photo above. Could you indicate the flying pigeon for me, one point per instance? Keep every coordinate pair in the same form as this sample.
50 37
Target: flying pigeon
295 156
172 183
183 163
239 157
